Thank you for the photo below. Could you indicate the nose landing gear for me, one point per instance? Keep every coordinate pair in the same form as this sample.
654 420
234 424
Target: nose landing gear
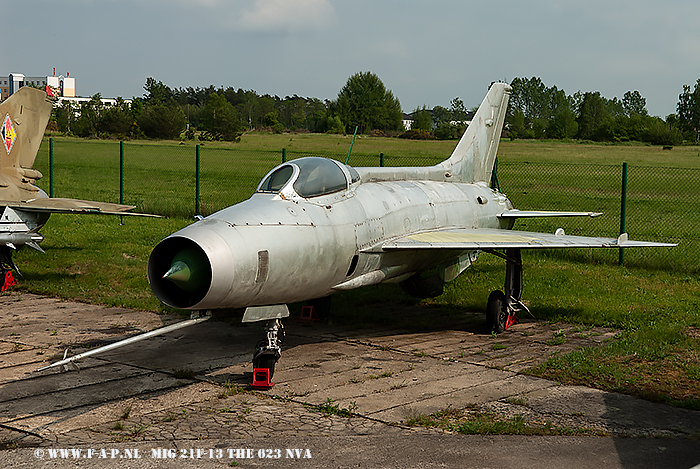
267 352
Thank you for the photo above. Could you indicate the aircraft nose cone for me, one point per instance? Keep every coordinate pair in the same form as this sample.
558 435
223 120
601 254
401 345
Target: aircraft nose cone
179 272
187 270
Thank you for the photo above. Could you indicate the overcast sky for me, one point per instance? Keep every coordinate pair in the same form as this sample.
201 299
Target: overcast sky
426 52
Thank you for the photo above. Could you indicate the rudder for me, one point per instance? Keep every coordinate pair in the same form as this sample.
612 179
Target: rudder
473 158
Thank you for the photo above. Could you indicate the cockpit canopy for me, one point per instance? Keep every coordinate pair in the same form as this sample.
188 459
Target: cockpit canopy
310 177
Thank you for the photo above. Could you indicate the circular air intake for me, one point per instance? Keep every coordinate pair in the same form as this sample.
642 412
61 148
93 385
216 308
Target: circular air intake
179 272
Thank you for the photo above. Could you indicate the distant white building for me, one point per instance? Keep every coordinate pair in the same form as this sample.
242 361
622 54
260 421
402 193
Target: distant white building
14 81
407 121
77 100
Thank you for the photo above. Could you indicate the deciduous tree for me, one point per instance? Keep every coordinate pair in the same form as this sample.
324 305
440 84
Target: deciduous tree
162 121
157 92
117 120
87 123
422 119
688 107
634 104
592 115
365 102
220 120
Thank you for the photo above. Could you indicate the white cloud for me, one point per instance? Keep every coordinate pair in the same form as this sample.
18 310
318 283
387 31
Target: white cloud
286 15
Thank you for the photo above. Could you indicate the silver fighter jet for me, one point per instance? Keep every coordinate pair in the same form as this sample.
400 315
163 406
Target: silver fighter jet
316 226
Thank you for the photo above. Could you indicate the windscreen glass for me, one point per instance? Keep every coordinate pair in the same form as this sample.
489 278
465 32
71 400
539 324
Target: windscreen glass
354 175
318 176
276 181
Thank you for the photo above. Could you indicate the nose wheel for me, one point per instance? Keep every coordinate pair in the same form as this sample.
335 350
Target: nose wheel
268 350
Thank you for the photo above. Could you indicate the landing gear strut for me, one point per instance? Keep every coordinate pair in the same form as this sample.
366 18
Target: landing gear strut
502 308
268 350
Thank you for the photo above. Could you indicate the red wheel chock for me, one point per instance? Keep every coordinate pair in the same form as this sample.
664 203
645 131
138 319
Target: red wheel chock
510 320
308 314
261 379
8 281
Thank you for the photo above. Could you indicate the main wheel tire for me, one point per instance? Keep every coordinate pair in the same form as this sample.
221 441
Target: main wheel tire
496 314
265 361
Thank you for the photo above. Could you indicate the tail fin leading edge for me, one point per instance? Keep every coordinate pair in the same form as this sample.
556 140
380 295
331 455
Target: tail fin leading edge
473 158
23 117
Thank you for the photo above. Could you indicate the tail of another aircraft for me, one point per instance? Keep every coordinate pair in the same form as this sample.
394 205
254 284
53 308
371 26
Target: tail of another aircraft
473 158
23 117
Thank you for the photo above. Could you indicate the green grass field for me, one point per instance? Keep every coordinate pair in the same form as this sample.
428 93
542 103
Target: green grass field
161 178
656 308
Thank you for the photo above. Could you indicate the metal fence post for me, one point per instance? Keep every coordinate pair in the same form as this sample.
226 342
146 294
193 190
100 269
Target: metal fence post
51 167
284 155
381 160
196 180
623 209
121 172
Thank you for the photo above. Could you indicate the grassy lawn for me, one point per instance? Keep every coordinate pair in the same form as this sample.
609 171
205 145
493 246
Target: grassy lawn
657 353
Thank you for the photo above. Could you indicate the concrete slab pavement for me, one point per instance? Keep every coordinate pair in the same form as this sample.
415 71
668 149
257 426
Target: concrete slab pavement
182 390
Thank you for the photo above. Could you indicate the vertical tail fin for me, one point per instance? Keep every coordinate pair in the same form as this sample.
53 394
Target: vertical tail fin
473 158
23 117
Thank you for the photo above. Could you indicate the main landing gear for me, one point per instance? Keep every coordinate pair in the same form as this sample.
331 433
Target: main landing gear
267 352
6 268
501 308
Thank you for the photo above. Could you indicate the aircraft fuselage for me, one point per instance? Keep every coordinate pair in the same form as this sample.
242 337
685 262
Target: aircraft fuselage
277 249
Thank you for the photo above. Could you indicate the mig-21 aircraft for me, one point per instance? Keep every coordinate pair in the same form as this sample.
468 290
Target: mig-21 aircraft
316 226
25 207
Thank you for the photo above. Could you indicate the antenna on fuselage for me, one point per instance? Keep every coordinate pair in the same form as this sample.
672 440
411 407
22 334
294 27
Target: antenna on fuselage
351 144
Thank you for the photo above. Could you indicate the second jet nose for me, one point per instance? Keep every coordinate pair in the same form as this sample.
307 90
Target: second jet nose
179 272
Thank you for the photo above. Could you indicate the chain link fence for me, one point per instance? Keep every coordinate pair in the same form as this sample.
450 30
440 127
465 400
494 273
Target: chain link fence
663 204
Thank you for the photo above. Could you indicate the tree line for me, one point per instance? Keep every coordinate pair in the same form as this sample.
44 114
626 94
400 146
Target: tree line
536 111
225 113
